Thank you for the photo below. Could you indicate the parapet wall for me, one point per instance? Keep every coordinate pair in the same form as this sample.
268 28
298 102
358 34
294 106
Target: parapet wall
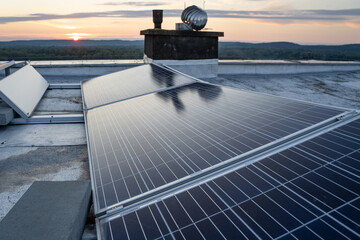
101 67
284 67
83 68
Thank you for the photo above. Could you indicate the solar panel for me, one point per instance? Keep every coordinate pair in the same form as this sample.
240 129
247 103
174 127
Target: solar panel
309 191
25 98
148 142
129 83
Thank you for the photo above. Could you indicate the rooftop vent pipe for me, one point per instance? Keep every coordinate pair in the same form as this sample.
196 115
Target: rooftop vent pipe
157 18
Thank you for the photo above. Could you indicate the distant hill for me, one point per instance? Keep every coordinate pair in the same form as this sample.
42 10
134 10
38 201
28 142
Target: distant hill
275 45
122 49
118 43
290 45
70 43
288 51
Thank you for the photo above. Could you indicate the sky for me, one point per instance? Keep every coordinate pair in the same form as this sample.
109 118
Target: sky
299 21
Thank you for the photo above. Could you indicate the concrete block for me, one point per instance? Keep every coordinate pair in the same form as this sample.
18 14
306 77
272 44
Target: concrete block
49 210
6 114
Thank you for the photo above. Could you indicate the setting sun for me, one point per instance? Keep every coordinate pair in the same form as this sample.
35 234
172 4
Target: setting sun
76 36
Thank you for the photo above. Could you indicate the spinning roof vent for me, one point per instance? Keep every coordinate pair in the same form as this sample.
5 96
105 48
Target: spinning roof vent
194 17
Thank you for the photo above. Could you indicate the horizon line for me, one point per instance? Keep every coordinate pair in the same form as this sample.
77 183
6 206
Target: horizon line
141 39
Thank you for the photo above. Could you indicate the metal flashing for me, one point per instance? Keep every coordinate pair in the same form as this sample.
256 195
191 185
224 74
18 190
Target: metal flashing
64 86
43 119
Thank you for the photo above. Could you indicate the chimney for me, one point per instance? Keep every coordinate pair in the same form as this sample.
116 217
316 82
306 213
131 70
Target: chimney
188 49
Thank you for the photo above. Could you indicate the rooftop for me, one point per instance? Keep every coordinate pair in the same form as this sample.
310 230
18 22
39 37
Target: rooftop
58 152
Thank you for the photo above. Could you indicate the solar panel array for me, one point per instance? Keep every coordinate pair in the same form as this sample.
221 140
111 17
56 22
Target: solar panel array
148 143
310 191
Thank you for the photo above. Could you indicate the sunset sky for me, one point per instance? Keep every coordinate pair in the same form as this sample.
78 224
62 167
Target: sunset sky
300 21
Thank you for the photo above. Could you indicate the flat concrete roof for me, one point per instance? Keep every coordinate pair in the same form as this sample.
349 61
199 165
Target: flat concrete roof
40 152
340 89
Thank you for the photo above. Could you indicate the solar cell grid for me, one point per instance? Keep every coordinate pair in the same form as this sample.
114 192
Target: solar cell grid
129 83
297 193
144 143
350 130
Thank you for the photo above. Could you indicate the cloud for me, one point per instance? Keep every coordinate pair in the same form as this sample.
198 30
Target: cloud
291 16
277 16
137 4
276 6
41 16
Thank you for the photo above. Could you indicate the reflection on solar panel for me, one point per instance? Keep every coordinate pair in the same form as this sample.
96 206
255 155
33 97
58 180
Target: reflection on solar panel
144 143
309 191
129 83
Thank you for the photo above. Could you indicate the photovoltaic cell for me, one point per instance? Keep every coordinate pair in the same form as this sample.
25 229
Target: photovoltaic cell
299 193
146 142
129 83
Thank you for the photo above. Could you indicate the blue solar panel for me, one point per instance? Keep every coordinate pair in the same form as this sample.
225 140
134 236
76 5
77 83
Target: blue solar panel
299 193
129 83
147 142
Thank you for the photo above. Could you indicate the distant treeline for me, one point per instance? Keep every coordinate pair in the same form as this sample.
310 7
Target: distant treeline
119 49
288 51
70 53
